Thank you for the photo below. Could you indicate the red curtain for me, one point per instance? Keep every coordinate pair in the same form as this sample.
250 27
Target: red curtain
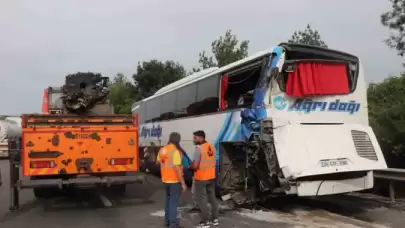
224 88
311 78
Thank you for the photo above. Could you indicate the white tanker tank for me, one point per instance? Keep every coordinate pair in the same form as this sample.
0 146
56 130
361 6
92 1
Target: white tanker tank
9 127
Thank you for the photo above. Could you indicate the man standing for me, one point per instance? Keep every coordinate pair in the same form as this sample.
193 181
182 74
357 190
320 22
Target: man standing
204 176
169 158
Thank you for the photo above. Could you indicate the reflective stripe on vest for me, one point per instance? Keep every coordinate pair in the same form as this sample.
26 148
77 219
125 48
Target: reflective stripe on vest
206 170
167 168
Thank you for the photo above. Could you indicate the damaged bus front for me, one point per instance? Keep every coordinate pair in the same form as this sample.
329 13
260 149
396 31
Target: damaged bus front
307 132
289 120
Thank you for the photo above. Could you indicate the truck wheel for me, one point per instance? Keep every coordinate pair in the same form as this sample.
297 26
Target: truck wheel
118 190
40 192
46 193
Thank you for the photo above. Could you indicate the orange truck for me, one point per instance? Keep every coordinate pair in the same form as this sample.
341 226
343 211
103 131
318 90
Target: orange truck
72 145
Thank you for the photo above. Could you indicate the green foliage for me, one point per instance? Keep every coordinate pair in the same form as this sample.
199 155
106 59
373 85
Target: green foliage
150 76
395 21
308 36
153 75
205 61
386 102
387 99
226 49
122 94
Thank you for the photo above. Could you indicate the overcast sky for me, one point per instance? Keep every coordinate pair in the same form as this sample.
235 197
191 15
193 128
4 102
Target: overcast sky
43 40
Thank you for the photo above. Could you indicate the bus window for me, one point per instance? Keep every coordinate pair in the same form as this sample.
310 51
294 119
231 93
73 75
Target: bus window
207 97
141 113
153 109
185 97
168 105
297 53
240 88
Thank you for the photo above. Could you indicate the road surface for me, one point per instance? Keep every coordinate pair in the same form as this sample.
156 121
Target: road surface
143 207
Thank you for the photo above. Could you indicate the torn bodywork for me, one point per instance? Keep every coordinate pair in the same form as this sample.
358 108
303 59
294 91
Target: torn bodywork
82 94
83 91
249 171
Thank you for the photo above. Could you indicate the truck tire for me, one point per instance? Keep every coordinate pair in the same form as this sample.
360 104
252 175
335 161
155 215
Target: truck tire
46 193
40 193
118 190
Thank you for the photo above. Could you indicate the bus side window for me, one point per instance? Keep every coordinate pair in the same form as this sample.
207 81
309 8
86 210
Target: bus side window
168 106
185 97
153 109
241 86
207 97
141 113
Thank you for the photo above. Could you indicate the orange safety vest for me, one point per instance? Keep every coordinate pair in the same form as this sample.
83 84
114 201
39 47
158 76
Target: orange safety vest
206 169
167 170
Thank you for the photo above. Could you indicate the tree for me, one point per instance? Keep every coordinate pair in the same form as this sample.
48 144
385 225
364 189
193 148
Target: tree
386 103
153 75
226 49
395 21
308 36
122 94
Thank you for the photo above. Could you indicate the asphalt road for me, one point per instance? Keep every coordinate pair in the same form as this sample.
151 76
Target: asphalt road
143 207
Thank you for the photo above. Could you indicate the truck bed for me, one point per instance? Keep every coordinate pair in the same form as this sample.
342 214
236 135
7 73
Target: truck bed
72 145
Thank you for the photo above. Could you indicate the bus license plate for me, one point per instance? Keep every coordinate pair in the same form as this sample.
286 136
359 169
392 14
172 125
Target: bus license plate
334 162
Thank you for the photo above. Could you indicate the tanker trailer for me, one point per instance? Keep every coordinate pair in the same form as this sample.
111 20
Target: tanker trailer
8 128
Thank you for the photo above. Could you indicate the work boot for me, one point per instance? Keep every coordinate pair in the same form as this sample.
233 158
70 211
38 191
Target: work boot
214 222
203 224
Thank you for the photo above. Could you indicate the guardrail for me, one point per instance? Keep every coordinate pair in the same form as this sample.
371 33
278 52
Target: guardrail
392 175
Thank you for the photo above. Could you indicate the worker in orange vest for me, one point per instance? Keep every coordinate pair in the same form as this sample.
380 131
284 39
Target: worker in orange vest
169 158
204 163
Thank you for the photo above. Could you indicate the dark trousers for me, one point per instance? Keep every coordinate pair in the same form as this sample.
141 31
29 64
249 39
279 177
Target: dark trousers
172 198
205 193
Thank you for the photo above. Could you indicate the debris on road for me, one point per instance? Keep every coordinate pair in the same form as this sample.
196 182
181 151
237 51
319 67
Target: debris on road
308 219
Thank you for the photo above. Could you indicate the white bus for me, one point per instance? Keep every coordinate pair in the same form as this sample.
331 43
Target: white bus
289 120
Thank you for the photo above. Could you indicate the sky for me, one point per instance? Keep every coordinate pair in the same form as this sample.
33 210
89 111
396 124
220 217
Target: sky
42 41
